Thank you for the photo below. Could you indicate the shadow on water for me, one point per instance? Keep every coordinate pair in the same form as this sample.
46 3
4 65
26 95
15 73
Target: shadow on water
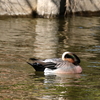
21 39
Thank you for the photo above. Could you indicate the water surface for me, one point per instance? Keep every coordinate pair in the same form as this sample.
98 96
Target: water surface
22 38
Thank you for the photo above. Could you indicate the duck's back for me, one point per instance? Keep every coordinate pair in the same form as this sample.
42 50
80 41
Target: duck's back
53 60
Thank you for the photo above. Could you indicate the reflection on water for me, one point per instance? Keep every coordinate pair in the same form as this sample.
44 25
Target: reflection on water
22 38
46 39
62 78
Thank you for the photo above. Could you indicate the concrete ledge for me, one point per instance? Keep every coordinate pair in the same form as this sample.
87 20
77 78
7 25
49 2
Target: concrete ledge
48 8
17 7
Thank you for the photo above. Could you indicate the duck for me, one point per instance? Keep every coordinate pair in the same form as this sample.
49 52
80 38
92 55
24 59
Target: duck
68 63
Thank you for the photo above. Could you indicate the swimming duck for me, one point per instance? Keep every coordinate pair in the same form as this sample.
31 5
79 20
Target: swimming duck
69 63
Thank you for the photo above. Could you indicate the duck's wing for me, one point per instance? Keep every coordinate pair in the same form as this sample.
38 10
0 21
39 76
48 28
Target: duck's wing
40 66
53 60
50 65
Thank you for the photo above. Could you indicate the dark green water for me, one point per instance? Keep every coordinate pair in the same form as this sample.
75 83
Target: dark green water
22 38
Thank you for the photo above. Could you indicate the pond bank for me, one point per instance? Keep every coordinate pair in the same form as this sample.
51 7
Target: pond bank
49 8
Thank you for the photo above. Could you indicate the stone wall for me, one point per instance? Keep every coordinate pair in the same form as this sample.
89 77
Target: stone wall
82 6
17 7
47 8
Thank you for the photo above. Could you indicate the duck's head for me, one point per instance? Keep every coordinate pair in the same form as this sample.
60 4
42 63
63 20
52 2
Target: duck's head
71 57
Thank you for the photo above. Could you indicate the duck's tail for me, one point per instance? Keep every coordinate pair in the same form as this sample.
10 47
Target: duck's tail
37 66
